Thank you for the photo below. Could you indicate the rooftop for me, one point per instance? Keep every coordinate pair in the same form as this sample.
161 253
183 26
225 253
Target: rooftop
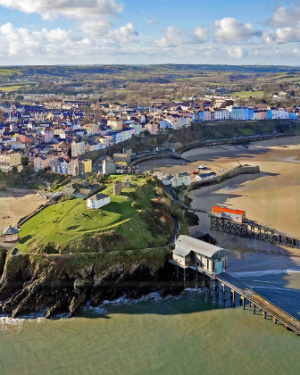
98 197
10 231
185 244
218 209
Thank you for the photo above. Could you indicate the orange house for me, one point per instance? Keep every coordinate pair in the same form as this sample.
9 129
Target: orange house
229 214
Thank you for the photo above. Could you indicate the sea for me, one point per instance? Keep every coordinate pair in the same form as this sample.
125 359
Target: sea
188 334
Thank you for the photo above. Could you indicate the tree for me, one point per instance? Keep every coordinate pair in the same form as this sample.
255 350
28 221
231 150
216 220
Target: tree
24 160
187 201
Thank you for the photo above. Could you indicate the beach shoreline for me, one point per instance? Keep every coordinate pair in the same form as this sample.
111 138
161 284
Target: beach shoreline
15 204
271 198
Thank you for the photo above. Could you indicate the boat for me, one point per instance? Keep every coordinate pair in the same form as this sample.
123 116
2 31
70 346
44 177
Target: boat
202 166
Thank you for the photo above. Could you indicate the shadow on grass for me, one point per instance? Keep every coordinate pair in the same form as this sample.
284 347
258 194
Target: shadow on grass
25 239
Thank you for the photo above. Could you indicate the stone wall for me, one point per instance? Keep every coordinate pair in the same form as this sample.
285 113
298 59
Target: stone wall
143 159
227 175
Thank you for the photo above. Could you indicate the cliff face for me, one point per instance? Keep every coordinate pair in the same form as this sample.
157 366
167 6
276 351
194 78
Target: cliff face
58 284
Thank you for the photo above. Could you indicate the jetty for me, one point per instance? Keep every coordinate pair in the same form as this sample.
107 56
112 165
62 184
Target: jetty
236 225
206 265
257 302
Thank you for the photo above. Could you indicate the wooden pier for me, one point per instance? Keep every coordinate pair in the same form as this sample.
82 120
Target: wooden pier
256 301
253 230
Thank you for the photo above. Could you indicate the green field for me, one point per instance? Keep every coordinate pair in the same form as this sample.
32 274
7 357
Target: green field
248 94
11 88
70 219
9 72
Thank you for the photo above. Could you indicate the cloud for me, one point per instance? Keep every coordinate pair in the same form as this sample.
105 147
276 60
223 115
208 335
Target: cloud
151 22
176 37
236 52
285 17
124 34
60 46
229 29
23 42
287 22
199 35
14 41
50 9
173 37
283 35
92 16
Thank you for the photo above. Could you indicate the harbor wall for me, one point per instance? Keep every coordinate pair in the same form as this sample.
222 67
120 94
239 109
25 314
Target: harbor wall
227 175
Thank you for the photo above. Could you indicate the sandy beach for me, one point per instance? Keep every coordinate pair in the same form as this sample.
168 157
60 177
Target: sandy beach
271 198
16 205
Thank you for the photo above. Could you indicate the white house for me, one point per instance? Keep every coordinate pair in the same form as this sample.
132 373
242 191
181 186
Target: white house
97 201
205 176
177 180
221 114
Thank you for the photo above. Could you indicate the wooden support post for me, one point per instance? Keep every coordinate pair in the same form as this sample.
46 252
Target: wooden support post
197 279
233 297
274 320
254 307
216 284
224 288
244 303
184 277
250 303
265 315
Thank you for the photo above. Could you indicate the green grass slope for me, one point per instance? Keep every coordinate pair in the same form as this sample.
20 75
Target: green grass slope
71 220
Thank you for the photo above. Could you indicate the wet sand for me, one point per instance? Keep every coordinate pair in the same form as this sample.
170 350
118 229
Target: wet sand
271 198
16 205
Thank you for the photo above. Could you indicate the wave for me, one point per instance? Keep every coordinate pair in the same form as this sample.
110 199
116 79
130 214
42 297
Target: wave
10 325
265 272
153 297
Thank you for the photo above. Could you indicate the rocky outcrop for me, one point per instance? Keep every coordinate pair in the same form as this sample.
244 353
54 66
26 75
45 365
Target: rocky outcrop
64 284
2 259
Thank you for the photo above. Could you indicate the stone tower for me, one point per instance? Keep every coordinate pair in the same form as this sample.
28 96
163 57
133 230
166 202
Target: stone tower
117 188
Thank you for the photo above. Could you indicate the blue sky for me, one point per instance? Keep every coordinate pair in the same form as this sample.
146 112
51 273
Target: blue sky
146 32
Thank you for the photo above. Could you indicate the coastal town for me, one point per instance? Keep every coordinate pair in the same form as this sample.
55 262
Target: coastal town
59 134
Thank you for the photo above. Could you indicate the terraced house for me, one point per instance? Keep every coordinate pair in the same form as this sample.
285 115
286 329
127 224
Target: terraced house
9 160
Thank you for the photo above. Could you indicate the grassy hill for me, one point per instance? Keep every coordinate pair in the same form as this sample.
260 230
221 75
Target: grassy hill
70 226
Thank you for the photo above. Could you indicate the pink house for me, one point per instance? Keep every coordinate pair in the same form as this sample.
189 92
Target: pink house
152 127
48 136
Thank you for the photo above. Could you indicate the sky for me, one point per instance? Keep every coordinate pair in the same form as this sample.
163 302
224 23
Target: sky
44 32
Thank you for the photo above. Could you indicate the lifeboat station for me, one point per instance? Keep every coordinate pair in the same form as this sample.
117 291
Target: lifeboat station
193 254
